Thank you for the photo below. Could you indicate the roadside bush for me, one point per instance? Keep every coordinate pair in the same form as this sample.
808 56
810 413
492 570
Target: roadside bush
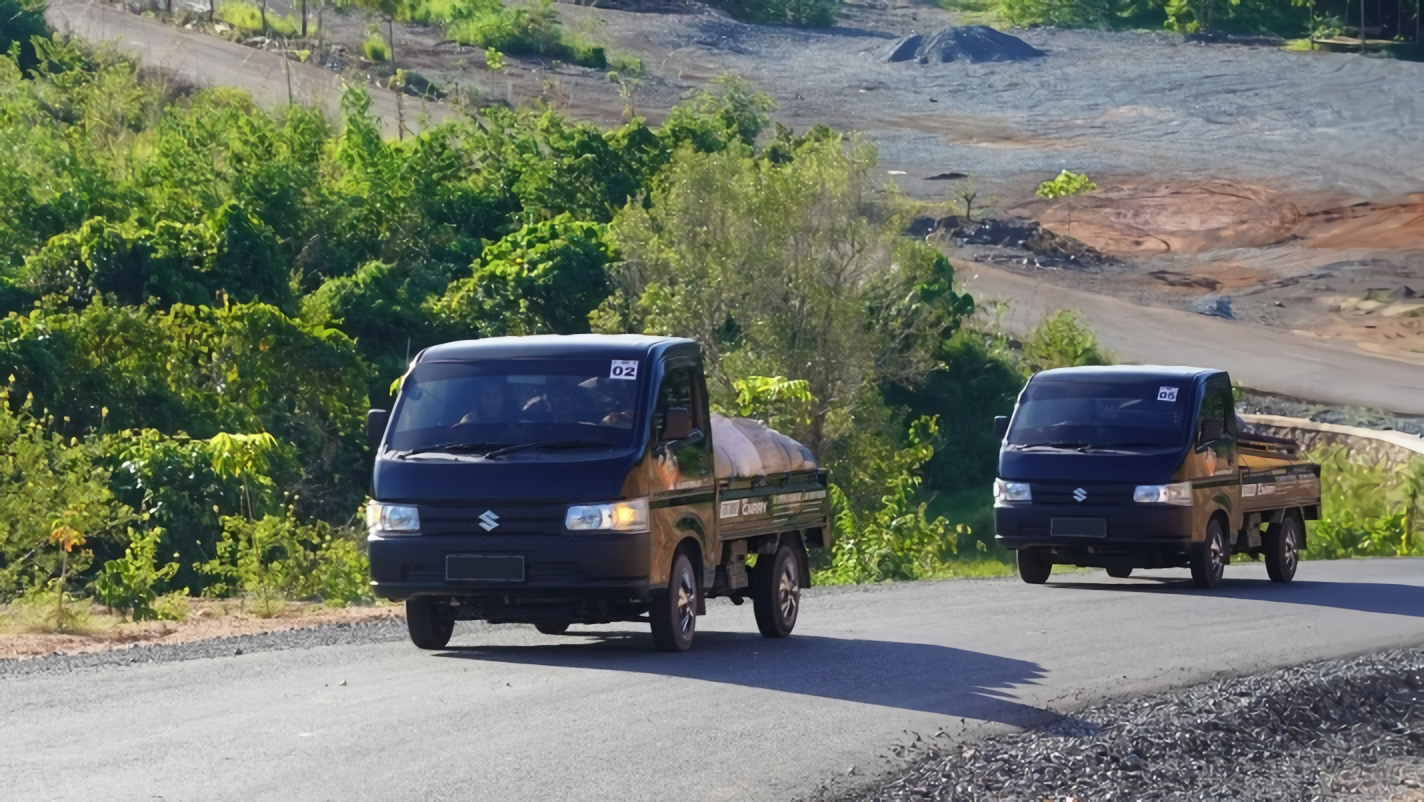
1062 341
276 559
1065 184
251 17
1367 511
375 48
129 584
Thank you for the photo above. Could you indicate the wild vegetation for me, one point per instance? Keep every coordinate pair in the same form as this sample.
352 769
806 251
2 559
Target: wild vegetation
1287 18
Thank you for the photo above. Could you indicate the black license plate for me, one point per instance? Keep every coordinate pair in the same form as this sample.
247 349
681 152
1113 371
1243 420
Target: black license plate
484 568
1079 527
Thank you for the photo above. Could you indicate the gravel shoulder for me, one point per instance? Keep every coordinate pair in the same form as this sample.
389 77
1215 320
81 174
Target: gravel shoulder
1346 729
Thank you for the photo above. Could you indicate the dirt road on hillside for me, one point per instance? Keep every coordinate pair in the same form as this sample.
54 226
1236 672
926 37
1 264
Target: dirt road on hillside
1289 182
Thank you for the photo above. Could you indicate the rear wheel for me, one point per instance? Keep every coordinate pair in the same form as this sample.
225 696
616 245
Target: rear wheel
674 614
1119 573
1282 546
1209 560
552 627
776 593
428 629
1034 566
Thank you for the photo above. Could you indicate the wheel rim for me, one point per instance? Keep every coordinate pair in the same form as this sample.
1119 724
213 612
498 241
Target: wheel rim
1218 554
686 603
1291 549
788 592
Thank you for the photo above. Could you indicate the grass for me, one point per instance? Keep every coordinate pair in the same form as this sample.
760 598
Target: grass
975 12
249 17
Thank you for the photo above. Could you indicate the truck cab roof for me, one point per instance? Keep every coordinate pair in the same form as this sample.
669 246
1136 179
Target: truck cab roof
1126 373
543 346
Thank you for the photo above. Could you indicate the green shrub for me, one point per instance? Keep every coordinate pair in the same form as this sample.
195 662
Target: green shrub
375 48
129 584
1367 511
1064 185
1062 341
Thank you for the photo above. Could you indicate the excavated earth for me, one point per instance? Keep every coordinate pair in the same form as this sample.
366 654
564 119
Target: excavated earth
1279 188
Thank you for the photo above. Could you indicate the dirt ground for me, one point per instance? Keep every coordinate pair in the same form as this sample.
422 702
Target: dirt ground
208 619
1290 183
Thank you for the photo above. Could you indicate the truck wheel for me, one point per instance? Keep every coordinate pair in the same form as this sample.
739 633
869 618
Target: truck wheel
674 614
776 594
1034 566
552 627
1209 561
428 630
1282 547
1119 573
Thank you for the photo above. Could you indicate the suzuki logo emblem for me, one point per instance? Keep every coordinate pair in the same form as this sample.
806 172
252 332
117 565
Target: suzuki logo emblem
489 521
1079 495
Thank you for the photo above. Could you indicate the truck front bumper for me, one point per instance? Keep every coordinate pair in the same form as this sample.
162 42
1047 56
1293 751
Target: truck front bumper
1148 533
555 568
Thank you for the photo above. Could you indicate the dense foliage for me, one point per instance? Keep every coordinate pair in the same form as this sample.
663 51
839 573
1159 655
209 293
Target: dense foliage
1281 17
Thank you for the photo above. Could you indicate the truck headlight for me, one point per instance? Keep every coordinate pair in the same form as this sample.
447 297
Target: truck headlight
1011 492
617 516
1179 494
392 519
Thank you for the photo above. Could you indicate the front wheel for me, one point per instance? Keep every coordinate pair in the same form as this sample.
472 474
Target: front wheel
776 593
552 627
673 617
1034 566
1119 573
1282 547
428 629
1209 560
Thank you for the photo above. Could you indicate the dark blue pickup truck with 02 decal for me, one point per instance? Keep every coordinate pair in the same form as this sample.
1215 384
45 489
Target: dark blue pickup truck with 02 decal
558 480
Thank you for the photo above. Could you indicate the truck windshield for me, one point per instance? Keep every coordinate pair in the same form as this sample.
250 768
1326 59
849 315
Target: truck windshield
1078 414
483 406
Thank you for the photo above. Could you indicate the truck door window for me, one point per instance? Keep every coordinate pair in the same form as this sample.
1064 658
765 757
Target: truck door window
1211 422
678 390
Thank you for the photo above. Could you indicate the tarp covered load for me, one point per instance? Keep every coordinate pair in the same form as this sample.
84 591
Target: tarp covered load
746 448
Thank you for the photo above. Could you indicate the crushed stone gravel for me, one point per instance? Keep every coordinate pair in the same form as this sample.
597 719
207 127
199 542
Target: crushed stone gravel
1346 729
233 646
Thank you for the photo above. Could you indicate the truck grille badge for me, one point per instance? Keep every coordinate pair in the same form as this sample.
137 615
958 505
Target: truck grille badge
488 521
1079 495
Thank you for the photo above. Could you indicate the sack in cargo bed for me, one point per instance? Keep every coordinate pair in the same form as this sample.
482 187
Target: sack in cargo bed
746 448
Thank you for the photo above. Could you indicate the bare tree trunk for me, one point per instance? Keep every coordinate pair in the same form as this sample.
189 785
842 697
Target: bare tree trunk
212 10
391 28
264 16
304 19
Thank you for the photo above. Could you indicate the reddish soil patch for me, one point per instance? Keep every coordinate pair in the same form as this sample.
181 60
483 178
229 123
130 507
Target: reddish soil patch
1395 226
1150 219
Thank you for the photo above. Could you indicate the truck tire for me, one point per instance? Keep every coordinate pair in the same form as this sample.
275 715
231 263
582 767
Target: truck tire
428 630
1034 566
1119 573
1282 546
1209 560
776 593
552 627
673 617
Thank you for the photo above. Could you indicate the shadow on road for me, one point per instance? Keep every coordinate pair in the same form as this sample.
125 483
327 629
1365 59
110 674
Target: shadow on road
909 676
1364 597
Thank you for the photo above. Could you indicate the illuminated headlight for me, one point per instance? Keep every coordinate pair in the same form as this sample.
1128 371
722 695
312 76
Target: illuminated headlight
619 516
1011 492
392 519
1179 494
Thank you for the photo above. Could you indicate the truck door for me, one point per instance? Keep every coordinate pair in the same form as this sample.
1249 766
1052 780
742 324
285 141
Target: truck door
1216 475
682 492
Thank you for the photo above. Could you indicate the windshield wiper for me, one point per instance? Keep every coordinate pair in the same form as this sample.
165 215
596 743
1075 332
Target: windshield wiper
452 447
499 452
1065 446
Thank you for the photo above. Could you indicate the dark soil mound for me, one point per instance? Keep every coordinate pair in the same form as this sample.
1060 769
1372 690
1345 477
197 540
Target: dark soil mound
1015 242
976 43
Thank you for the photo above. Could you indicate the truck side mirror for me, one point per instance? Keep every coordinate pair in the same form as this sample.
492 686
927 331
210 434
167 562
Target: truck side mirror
376 420
677 425
1001 426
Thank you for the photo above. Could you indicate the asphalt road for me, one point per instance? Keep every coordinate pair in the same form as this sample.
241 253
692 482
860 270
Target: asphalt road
1261 358
510 714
